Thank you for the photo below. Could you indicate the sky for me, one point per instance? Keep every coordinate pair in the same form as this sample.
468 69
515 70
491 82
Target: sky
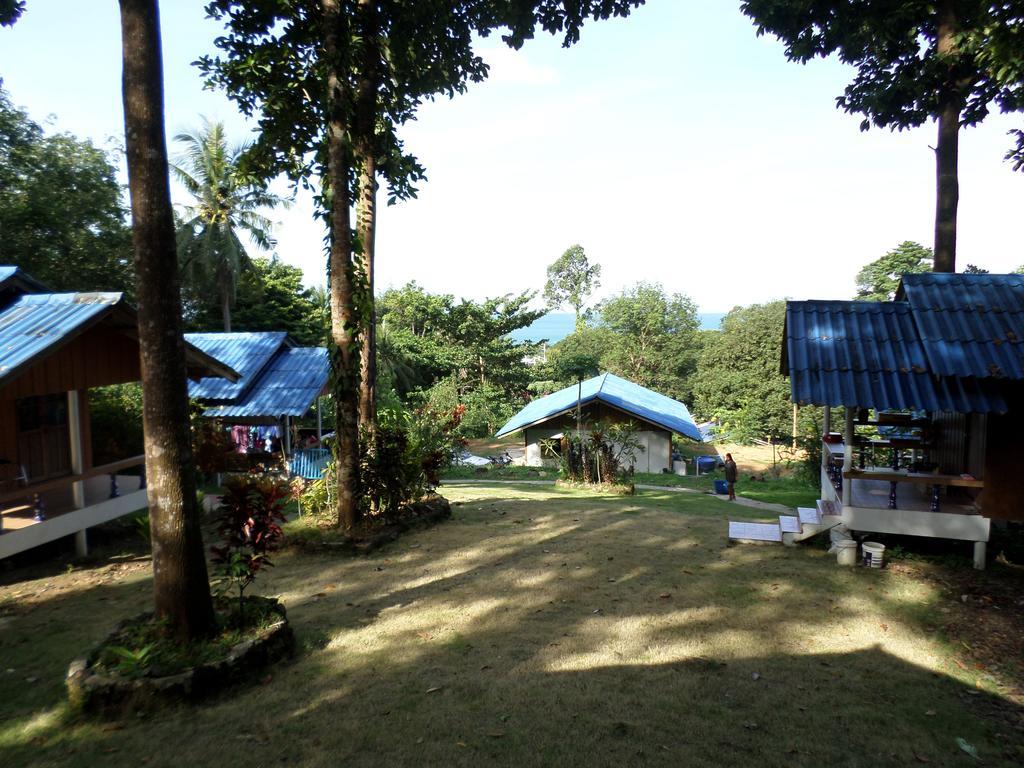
675 146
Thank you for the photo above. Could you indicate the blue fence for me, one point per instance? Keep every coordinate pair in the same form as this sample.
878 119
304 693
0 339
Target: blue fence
309 463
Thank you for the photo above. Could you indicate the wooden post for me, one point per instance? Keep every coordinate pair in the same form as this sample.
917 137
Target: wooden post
287 436
77 466
848 456
319 423
827 427
796 430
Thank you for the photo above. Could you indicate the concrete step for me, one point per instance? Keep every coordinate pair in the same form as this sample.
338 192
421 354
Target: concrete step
755 533
808 515
810 530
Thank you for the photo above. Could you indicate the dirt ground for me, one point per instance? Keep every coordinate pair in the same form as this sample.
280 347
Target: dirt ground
546 627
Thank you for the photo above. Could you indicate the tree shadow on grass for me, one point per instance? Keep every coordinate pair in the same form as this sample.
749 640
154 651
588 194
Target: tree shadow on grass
566 635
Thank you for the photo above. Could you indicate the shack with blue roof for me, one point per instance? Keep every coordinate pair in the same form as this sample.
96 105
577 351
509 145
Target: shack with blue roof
943 362
608 399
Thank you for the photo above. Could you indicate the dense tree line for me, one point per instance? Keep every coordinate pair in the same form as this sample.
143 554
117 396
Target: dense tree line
61 209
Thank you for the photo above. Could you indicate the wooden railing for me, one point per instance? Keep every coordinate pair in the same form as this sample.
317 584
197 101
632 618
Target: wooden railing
34 489
936 481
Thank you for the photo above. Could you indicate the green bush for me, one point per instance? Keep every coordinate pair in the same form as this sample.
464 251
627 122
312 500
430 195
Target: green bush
116 416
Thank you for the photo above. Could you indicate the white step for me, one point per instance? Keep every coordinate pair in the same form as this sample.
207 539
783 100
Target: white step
789 524
759 532
808 515
828 507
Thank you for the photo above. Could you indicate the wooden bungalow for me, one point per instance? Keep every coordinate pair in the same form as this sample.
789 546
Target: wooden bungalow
607 399
278 381
932 391
54 347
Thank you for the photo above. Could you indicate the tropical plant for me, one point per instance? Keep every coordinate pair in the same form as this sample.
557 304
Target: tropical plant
224 206
248 523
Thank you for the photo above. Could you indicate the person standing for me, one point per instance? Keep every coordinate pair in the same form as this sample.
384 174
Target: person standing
730 476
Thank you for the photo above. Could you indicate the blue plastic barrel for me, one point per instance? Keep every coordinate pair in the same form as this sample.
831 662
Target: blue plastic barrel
721 486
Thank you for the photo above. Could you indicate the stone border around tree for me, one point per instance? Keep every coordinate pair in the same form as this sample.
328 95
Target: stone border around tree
111 696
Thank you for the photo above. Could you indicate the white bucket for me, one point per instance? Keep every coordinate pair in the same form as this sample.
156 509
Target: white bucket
874 554
846 552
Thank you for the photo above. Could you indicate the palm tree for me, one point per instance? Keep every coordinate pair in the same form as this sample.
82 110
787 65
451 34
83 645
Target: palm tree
209 246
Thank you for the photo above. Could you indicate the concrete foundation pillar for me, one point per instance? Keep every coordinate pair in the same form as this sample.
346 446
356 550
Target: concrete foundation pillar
980 548
82 543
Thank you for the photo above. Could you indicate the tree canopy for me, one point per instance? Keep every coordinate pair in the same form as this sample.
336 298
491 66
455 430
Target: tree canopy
949 60
453 351
270 297
653 338
879 280
61 210
738 380
571 280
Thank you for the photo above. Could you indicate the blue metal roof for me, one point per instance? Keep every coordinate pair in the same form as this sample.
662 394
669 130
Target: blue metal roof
619 393
869 355
288 386
18 278
248 353
35 324
969 325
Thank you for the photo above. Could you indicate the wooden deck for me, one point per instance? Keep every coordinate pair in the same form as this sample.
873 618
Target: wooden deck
21 531
874 494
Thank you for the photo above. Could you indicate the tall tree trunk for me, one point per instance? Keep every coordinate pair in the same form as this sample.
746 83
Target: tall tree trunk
947 146
181 586
366 226
345 322
225 299
366 215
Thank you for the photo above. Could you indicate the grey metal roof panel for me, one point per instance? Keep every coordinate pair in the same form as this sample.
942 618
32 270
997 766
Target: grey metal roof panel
970 325
617 392
288 386
868 354
248 353
34 324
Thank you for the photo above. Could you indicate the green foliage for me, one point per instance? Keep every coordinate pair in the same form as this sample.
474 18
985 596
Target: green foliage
223 207
738 378
604 455
653 339
902 76
445 352
248 523
270 297
116 418
132 663
571 280
10 10
61 211
879 280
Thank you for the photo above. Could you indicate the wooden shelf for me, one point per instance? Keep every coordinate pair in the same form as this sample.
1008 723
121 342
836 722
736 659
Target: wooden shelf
923 478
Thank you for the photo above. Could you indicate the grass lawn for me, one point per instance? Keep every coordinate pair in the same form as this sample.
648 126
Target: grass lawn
546 627
787 491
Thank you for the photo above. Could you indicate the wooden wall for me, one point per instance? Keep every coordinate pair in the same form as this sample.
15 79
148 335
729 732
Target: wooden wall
98 357
1003 497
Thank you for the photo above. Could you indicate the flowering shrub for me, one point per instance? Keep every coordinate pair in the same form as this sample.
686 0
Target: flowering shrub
248 523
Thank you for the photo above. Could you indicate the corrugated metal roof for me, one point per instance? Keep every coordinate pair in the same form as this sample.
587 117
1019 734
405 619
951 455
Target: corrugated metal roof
617 392
16 277
969 325
288 386
34 324
246 352
868 355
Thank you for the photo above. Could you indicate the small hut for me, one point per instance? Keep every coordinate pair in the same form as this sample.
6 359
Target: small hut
605 399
